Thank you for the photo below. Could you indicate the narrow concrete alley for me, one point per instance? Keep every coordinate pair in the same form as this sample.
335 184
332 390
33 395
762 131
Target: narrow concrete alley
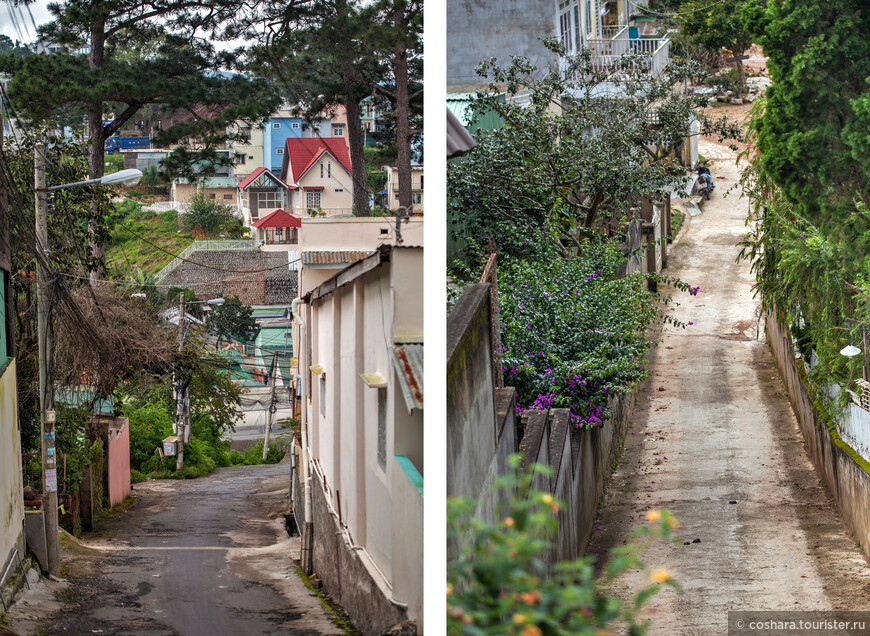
714 441
203 557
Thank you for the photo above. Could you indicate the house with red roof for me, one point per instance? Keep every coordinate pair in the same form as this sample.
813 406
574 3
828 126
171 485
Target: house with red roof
261 193
320 170
278 230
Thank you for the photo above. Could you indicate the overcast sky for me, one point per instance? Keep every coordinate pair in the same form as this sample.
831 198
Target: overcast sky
20 16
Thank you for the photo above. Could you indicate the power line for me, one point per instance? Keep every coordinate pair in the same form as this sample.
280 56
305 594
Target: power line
672 15
217 269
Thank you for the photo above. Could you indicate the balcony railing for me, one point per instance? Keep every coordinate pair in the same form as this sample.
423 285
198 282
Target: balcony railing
614 32
654 53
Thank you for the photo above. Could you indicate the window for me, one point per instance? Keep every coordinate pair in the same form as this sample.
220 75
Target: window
323 395
321 169
421 181
338 130
588 8
268 200
382 429
329 170
295 124
212 195
312 199
276 125
158 125
246 132
279 151
240 160
339 189
416 198
565 30
577 39
228 197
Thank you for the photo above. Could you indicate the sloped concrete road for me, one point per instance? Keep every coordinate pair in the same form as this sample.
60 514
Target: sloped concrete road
194 558
715 442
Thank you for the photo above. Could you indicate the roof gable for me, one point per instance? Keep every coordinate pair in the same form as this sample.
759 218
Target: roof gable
260 178
302 153
278 218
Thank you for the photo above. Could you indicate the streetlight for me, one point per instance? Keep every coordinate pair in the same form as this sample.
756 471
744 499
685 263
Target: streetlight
128 177
46 395
850 350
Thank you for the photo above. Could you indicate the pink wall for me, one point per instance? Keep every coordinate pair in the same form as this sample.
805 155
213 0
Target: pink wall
119 460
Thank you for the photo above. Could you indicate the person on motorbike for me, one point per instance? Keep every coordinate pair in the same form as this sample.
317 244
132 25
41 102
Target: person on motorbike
704 173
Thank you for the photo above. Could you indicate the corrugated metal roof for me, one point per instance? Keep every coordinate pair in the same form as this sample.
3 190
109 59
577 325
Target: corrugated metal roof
333 258
408 361
459 142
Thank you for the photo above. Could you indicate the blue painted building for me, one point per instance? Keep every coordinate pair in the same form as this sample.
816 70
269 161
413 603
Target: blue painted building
281 127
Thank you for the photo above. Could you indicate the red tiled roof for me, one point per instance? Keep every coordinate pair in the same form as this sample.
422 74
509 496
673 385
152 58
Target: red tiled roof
301 153
256 173
278 218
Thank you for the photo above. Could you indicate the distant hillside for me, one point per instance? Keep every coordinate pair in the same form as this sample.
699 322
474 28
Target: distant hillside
141 239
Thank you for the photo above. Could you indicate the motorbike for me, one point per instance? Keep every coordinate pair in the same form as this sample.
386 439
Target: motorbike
705 184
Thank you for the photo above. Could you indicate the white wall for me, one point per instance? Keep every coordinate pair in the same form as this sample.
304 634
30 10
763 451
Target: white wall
351 331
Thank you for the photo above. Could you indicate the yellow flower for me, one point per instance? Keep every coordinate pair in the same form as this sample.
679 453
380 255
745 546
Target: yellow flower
519 619
530 598
673 523
509 522
653 516
660 575
449 589
532 630
547 499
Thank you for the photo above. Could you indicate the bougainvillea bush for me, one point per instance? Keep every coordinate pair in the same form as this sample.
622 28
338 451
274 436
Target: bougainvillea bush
574 333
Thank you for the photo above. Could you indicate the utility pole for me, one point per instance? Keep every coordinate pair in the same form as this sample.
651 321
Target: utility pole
46 393
272 404
182 398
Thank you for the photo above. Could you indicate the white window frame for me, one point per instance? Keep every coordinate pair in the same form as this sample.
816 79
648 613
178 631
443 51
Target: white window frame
279 151
294 124
329 170
338 130
588 8
276 125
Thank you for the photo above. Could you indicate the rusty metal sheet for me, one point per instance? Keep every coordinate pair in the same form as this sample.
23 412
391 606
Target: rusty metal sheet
408 361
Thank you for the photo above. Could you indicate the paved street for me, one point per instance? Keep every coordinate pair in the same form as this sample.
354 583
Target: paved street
192 558
714 440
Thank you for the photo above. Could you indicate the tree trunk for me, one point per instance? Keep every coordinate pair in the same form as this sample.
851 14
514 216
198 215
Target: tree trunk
96 158
357 158
741 72
403 124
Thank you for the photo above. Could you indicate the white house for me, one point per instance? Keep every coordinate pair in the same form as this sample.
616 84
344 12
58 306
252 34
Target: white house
361 364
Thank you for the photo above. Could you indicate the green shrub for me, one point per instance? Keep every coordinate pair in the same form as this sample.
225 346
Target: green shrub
170 219
149 424
574 331
497 582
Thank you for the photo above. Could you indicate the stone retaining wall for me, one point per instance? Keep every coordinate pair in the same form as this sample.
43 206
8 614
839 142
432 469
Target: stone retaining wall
256 278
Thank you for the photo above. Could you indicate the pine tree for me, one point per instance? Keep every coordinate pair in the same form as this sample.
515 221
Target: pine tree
321 53
140 52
